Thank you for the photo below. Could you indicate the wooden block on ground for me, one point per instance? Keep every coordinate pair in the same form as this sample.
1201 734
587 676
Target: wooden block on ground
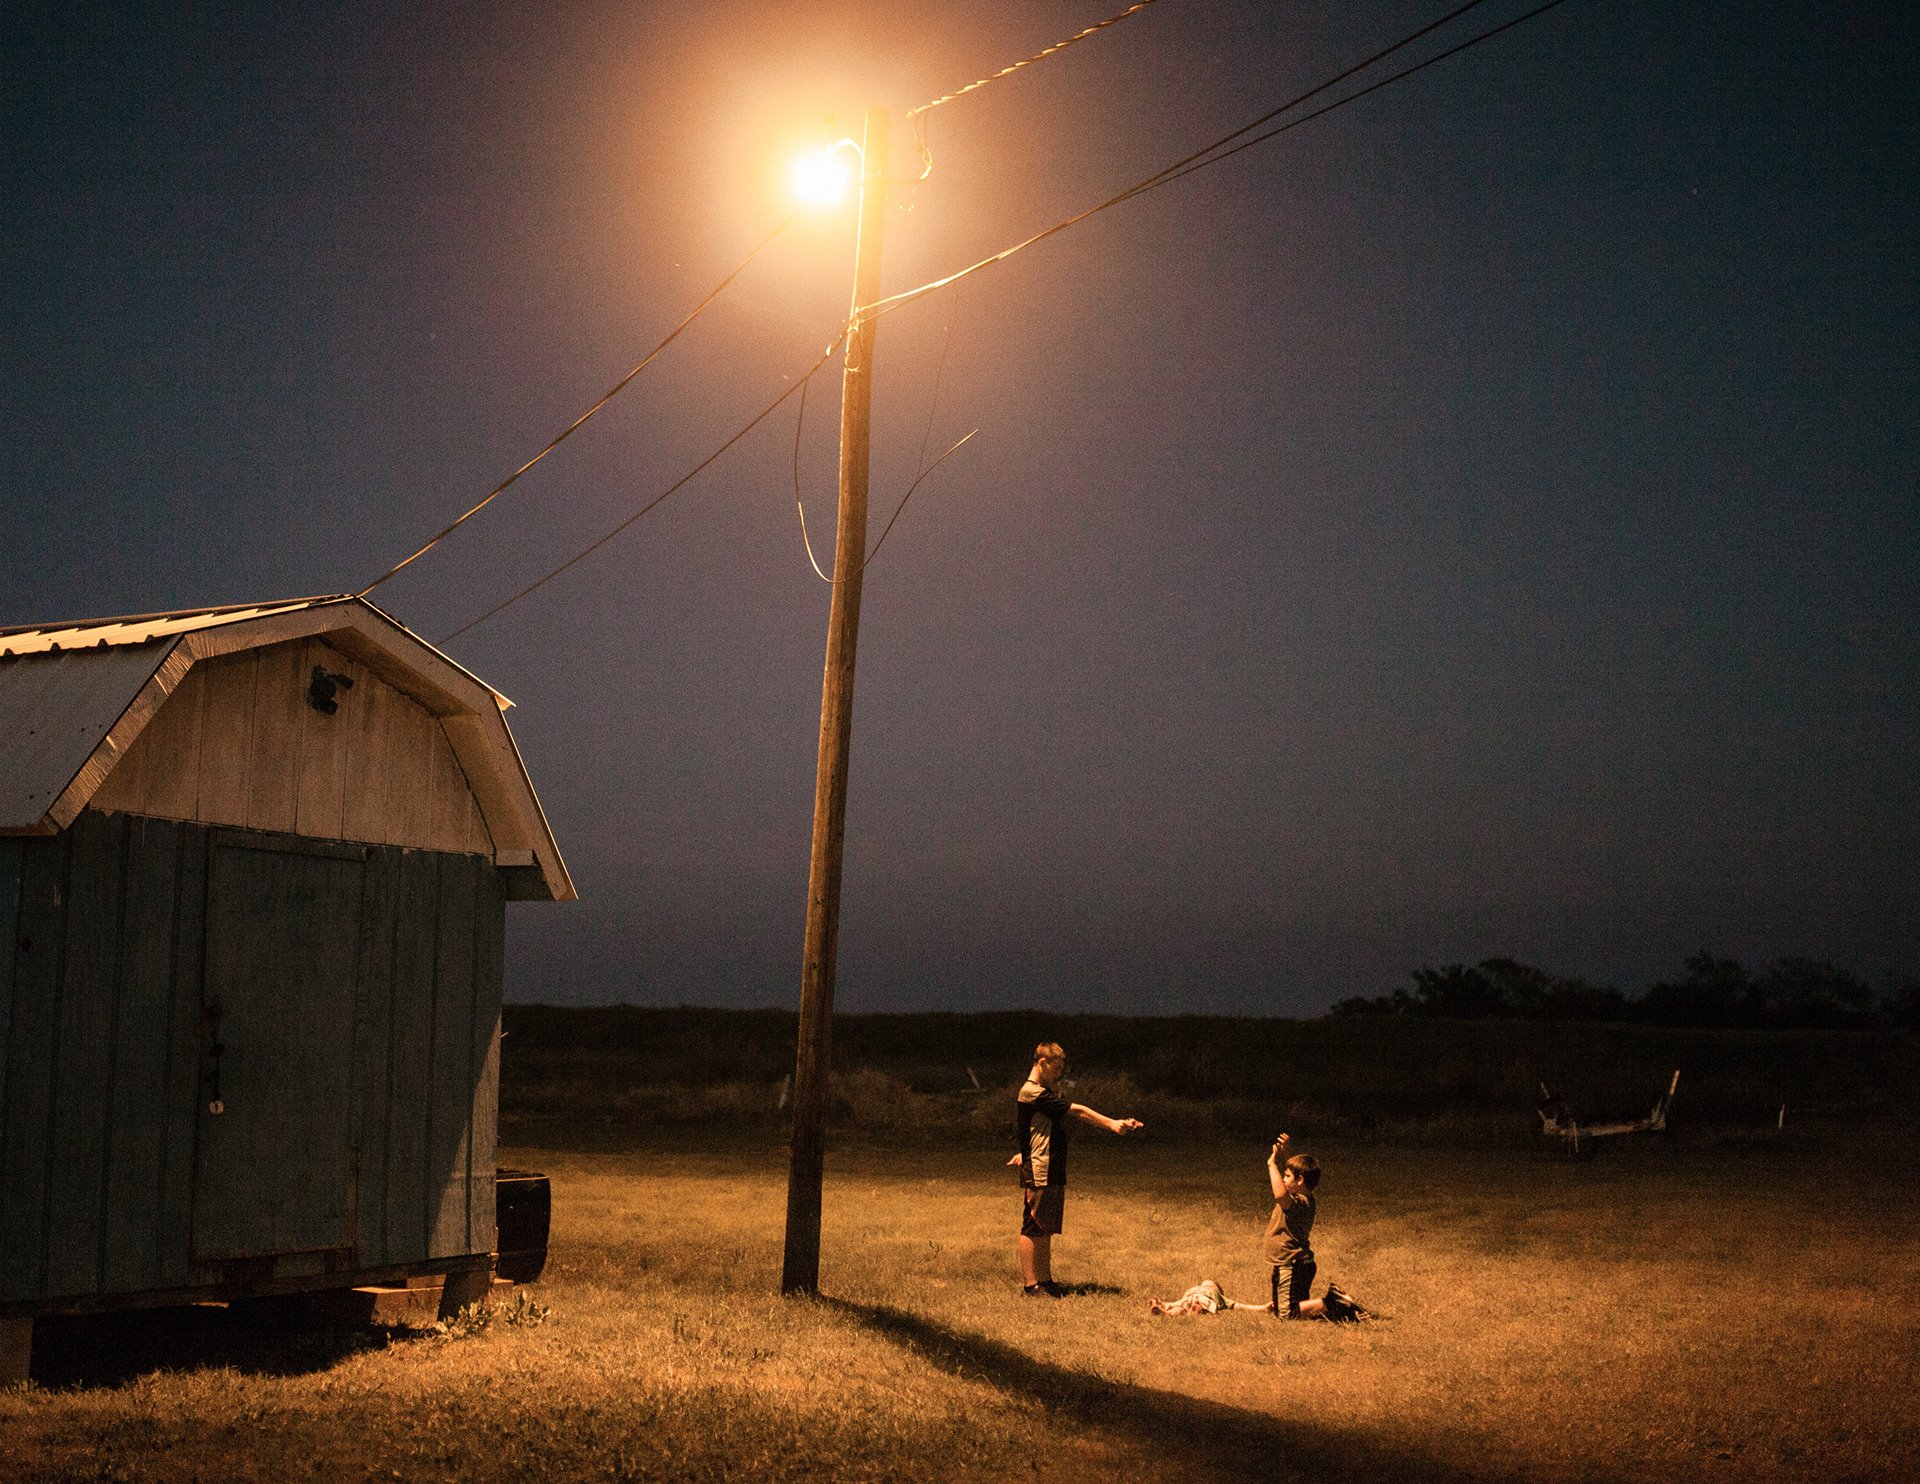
461 1289
417 1305
423 1298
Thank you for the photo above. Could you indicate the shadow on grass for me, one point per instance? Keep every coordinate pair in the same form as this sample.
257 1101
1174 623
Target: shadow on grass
1207 1439
108 1350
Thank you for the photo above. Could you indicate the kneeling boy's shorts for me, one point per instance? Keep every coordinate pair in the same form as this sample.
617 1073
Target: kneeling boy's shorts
1042 1208
1297 1278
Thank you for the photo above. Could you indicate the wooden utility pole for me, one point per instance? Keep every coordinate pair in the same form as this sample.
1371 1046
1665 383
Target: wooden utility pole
800 1272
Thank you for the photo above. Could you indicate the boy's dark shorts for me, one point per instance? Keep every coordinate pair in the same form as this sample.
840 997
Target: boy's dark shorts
1041 1210
1295 1278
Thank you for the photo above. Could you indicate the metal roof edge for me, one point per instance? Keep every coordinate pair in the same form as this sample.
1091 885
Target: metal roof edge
19 641
427 644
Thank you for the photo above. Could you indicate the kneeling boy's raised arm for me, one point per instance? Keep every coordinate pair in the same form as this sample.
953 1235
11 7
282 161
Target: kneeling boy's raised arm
1274 1172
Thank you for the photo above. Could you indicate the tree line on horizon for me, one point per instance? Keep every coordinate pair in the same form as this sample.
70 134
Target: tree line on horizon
1710 993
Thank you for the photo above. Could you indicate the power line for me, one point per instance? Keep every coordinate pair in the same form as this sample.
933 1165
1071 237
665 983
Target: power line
918 480
618 387
799 426
933 406
671 489
921 468
1487 35
1202 158
1058 46
933 402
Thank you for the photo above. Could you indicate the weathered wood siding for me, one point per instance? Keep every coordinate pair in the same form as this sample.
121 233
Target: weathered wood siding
238 744
113 1175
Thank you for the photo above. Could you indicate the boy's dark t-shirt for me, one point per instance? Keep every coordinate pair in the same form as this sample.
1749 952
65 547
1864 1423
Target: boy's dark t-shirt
1042 1123
1289 1229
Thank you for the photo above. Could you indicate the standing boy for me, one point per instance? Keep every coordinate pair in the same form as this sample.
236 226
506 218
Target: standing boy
1042 1121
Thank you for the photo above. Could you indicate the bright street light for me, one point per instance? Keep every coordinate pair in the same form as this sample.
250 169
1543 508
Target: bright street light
822 176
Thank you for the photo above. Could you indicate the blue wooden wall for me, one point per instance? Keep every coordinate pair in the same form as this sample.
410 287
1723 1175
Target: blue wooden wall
116 1179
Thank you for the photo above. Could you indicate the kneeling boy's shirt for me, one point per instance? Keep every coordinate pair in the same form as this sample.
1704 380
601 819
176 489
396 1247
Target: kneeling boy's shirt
1289 1229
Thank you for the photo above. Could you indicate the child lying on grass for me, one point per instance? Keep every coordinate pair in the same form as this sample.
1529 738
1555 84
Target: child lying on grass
1204 1297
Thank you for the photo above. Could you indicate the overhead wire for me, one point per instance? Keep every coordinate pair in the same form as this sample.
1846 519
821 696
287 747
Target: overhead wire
921 467
918 480
574 426
1214 153
799 423
1354 97
1058 46
918 116
933 402
657 500
924 468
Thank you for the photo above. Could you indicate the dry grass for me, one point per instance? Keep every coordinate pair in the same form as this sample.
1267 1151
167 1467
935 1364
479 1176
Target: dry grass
1667 1311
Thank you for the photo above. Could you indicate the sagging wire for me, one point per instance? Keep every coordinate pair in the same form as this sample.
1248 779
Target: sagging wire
909 495
799 504
923 467
919 480
618 387
933 402
920 142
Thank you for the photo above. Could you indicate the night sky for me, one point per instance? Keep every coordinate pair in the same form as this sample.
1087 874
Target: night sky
1480 522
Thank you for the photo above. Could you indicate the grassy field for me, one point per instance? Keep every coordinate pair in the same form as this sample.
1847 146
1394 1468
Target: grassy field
1681 1309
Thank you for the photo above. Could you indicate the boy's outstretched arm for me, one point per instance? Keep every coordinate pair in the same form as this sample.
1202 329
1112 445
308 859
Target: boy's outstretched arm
1111 1125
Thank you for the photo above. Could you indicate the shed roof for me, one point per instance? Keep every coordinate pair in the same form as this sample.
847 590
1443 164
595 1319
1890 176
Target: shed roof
74 696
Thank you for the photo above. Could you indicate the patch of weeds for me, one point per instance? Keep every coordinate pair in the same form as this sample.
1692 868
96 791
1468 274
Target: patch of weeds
482 1315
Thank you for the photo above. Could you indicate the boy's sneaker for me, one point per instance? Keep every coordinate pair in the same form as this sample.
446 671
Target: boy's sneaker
1055 1289
1343 1305
1041 1290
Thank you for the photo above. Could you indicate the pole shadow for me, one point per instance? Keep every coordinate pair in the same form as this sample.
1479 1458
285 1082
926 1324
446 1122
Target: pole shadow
1202 1438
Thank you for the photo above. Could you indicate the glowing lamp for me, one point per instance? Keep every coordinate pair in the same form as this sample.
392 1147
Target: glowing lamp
822 176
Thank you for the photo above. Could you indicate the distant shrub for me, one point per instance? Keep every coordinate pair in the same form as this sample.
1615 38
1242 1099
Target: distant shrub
1794 994
867 1097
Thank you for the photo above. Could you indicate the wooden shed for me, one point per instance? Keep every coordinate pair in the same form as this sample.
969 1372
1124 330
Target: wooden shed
254 867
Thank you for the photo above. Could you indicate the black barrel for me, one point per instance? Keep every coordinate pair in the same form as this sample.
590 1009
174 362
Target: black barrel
523 1206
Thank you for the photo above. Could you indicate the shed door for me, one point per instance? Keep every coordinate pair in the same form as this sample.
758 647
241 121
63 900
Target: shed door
274 1172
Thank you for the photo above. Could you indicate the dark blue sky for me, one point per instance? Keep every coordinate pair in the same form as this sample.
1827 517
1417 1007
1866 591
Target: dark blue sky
1481 522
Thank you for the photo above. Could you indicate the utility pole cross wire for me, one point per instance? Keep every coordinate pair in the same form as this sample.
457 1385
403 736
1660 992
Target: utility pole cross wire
800 1269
